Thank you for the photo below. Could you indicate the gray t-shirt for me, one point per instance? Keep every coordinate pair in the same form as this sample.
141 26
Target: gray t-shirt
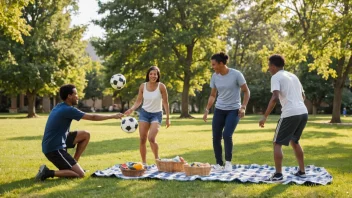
229 89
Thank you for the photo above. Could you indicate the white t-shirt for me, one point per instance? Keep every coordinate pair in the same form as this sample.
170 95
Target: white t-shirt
290 93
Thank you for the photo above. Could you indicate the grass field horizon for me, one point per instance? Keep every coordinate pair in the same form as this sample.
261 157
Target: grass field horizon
325 145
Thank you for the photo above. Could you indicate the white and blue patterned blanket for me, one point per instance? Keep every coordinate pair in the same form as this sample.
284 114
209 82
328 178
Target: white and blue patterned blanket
241 173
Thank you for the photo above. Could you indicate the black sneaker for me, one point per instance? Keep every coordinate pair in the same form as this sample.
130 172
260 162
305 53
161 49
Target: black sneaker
276 178
300 174
41 175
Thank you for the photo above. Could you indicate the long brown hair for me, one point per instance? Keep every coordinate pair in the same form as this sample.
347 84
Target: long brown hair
151 69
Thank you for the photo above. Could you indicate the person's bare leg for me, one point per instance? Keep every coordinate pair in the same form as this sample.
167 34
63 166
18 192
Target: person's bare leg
76 171
278 156
154 129
82 140
299 155
143 135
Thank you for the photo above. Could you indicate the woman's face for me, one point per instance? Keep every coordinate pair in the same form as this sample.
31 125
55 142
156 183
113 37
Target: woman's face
153 76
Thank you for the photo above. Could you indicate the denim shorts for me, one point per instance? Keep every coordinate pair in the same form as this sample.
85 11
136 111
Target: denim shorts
145 116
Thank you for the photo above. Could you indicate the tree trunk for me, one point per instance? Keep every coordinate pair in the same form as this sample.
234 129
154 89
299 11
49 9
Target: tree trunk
186 82
342 75
336 108
31 104
93 99
185 97
315 107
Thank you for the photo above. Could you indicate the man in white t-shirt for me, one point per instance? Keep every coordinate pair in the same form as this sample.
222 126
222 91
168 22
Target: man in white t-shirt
287 88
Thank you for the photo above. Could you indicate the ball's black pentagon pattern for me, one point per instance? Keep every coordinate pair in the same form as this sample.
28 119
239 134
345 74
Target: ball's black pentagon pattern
129 124
118 81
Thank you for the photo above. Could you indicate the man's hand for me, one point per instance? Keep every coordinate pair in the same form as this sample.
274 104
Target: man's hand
262 121
119 115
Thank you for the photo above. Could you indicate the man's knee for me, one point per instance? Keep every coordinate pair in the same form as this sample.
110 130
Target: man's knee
84 135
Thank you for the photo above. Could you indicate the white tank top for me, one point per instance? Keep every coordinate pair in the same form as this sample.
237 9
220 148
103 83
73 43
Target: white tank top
152 101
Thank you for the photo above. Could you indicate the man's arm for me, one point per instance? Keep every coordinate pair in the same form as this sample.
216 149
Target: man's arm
100 117
274 99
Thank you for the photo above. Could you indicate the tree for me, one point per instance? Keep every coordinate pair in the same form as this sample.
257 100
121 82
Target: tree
315 86
324 28
177 35
51 55
95 86
11 22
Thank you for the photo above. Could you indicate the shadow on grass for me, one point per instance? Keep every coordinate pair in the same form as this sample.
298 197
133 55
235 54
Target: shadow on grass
112 146
12 117
38 137
257 151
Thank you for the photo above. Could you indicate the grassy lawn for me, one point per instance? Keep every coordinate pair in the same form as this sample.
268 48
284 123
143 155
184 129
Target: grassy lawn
329 146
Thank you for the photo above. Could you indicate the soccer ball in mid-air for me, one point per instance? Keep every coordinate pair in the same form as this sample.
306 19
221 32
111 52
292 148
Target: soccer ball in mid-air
118 81
129 124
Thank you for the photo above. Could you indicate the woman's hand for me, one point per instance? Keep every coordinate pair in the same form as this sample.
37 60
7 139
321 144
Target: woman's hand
168 122
128 112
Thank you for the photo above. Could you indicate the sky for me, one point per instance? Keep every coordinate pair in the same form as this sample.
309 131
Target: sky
88 10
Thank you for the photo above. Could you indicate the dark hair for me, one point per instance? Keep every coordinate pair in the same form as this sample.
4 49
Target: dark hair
220 57
66 90
277 60
151 69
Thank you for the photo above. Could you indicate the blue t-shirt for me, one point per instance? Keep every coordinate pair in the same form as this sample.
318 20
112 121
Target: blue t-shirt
229 89
58 126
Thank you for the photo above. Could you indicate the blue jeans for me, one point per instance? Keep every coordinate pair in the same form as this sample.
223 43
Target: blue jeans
224 125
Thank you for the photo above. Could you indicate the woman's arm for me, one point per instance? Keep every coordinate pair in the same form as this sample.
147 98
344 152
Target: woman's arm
138 101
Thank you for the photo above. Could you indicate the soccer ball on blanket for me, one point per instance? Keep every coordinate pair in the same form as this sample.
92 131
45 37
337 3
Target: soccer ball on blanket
129 124
118 81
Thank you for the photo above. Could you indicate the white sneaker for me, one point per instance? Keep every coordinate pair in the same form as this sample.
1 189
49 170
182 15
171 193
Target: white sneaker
217 167
228 166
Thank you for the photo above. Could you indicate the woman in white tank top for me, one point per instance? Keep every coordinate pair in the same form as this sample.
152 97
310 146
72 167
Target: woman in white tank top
153 93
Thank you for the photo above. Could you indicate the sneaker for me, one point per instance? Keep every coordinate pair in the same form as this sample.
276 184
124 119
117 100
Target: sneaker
228 166
217 167
300 174
41 176
145 165
276 178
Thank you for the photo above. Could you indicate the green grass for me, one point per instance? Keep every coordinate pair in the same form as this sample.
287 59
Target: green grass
329 146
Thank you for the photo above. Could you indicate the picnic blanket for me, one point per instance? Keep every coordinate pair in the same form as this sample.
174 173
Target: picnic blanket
253 173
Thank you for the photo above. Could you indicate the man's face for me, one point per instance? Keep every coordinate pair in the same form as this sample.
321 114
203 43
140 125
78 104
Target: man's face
73 97
272 69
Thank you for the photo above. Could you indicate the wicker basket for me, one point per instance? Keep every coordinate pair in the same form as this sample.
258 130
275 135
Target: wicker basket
202 171
170 166
132 173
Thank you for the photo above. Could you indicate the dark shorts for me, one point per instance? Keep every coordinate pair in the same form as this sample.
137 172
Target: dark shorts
61 159
290 128
145 116
70 139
